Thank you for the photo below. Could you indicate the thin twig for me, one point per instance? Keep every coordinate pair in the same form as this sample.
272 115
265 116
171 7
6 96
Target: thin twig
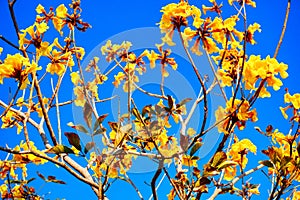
235 180
134 186
155 177
283 28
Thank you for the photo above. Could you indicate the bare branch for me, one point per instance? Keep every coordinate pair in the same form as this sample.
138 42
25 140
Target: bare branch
287 12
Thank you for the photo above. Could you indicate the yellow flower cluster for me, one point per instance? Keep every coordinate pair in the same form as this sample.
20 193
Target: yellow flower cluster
294 104
18 67
174 16
237 153
236 113
265 69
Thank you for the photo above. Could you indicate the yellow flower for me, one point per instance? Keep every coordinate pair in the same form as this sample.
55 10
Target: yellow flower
58 24
41 27
11 119
27 158
113 50
118 78
221 115
174 16
40 9
93 88
248 2
61 11
191 132
163 57
237 153
229 173
240 109
265 69
250 32
75 78
188 161
59 62
80 98
294 99
17 67
215 8
296 195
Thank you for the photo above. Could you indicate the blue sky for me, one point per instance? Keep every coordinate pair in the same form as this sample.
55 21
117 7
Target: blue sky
109 19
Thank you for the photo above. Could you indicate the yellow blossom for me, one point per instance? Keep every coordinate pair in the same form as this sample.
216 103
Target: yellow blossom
61 11
250 32
41 27
40 9
248 2
237 153
296 195
240 109
75 78
17 67
174 16
294 99
118 78
11 119
266 69
80 98
59 62
189 161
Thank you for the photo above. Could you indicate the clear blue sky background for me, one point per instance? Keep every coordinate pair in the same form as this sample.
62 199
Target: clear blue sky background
112 17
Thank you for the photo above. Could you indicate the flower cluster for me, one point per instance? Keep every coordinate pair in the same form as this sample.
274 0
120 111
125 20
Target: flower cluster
237 112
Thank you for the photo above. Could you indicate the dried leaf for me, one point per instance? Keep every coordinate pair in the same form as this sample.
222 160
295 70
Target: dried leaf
195 148
114 126
74 140
170 102
58 149
219 158
78 127
88 147
54 180
266 163
99 121
225 164
87 114
183 102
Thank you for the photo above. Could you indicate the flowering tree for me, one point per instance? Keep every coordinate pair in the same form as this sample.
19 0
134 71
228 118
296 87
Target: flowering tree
158 130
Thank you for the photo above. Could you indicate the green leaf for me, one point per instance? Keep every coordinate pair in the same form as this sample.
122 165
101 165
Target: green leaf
58 149
266 163
184 101
195 148
74 140
225 164
78 127
88 147
99 121
170 102
219 158
87 114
